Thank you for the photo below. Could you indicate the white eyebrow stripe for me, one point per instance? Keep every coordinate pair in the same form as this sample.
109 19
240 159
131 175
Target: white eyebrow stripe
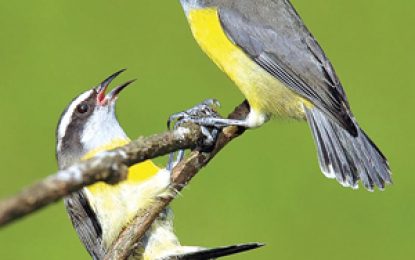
66 119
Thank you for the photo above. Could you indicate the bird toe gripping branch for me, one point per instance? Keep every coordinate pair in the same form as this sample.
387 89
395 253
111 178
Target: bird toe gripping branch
206 110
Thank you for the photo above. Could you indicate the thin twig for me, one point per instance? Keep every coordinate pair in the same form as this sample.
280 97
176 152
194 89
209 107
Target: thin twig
124 246
111 167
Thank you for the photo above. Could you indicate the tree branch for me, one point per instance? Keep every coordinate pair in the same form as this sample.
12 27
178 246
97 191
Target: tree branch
111 167
124 246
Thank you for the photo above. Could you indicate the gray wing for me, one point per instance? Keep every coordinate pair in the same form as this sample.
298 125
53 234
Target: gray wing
85 223
276 38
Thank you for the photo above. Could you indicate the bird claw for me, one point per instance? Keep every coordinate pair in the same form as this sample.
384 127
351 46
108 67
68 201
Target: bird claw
205 109
197 114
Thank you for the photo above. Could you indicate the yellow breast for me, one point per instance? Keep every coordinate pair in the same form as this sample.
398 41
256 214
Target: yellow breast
136 173
116 205
264 92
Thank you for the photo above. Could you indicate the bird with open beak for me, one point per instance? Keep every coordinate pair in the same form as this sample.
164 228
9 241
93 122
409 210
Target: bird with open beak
99 212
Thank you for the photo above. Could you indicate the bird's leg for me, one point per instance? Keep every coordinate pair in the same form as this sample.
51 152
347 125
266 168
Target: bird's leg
205 115
201 114
254 119
219 123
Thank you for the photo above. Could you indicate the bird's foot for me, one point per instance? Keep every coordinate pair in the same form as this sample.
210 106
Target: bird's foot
204 115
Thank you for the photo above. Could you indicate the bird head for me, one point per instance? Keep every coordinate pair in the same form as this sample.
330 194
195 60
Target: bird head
89 122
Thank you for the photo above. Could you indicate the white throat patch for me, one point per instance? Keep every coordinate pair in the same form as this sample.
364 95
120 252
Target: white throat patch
102 128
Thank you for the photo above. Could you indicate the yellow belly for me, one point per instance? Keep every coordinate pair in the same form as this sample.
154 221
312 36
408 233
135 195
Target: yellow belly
136 173
264 92
116 205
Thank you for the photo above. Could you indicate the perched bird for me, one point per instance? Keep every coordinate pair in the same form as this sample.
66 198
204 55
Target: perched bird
99 212
267 51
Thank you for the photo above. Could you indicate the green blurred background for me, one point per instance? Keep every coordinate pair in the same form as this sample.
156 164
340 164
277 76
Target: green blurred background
266 186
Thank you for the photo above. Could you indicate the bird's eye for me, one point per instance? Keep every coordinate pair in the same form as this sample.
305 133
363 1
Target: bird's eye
82 108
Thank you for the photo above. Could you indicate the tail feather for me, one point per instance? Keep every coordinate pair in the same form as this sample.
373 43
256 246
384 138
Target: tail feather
345 157
213 253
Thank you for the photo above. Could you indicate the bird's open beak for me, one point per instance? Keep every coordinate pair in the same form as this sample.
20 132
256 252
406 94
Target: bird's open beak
104 99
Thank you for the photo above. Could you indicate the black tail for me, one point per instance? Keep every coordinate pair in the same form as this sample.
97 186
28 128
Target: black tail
345 157
213 253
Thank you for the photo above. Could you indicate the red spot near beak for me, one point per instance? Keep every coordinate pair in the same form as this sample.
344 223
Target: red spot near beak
101 97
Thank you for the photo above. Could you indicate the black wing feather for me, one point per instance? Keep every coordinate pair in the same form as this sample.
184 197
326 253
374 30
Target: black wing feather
205 254
85 223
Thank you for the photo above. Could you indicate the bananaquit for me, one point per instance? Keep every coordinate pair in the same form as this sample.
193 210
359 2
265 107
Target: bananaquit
99 212
268 52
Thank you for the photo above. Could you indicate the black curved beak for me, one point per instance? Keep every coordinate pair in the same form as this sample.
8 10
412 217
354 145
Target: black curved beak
113 95
102 88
